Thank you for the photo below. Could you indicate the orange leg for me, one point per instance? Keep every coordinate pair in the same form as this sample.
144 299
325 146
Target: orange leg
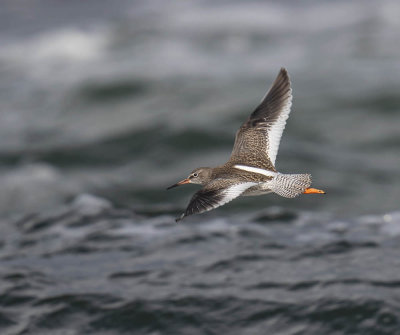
313 191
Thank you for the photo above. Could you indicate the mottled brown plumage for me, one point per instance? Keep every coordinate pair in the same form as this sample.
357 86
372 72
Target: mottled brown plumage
251 167
252 141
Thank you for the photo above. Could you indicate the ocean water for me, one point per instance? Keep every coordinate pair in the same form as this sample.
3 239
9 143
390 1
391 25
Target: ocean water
105 104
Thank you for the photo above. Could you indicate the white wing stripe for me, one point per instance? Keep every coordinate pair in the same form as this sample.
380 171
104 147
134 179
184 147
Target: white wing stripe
276 129
234 191
255 170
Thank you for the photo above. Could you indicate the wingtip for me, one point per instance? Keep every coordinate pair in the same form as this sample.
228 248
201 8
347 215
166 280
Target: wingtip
180 218
284 72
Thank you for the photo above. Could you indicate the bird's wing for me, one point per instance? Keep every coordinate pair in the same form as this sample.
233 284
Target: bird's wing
257 140
212 196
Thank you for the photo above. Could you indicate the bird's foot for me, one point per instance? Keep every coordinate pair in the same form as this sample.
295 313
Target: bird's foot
313 191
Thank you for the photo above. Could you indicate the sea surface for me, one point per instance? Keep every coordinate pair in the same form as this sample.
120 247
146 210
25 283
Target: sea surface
103 104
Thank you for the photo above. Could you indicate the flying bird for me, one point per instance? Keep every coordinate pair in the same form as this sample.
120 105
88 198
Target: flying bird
251 168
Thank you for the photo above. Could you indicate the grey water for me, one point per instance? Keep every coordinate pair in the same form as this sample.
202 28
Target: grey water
105 104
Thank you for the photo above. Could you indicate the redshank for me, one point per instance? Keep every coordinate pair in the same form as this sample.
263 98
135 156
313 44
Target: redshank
251 167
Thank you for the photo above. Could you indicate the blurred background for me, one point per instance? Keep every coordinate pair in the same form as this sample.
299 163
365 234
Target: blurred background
124 99
105 104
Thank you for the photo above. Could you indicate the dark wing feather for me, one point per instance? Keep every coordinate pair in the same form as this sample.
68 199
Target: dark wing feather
257 140
214 195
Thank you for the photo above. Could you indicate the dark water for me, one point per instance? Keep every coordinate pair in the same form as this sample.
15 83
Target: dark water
89 268
104 104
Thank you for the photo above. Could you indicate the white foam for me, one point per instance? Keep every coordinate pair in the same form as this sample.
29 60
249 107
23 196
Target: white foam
65 44
88 204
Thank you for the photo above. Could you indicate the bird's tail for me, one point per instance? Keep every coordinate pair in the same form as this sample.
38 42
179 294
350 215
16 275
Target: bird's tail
290 185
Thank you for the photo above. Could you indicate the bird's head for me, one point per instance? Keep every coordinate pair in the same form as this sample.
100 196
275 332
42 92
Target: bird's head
198 176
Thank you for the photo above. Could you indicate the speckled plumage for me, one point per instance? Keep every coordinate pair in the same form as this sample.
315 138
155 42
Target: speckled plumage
251 167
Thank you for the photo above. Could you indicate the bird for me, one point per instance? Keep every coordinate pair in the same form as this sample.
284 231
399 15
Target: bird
250 170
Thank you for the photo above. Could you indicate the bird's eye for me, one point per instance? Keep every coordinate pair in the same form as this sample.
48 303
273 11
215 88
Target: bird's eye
195 175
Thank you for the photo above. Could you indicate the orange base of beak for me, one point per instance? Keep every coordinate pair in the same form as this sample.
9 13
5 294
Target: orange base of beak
313 191
182 182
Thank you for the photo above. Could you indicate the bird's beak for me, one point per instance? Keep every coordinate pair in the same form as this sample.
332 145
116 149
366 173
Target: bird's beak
184 181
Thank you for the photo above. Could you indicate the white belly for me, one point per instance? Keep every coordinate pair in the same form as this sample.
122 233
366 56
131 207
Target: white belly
260 189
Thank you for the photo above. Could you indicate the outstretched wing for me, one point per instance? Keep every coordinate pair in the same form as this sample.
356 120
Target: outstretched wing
212 196
257 140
